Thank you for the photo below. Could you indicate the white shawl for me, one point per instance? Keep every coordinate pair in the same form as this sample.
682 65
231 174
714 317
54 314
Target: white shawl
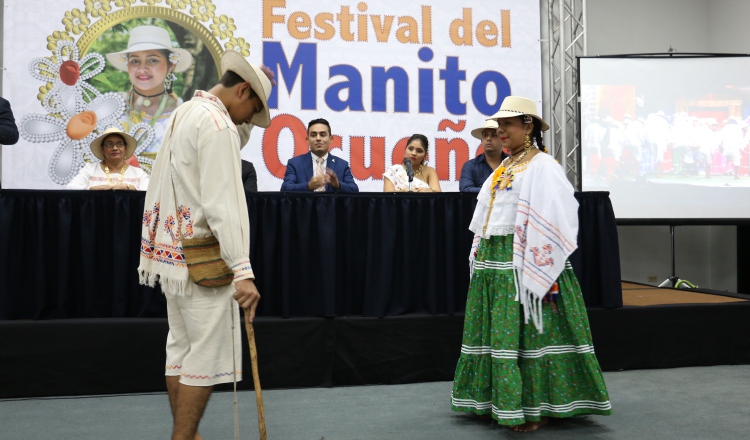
546 231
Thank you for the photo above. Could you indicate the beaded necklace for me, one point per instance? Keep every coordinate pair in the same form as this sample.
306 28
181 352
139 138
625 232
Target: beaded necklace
135 116
502 178
119 179
147 98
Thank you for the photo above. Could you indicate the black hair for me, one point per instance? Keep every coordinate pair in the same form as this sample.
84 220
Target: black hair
319 121
231 79
422 138
536 132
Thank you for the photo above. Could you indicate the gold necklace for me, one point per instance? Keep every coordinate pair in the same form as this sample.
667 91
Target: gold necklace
119 179
502 178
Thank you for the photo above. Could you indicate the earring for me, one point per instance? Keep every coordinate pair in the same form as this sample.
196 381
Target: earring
527 143
168 81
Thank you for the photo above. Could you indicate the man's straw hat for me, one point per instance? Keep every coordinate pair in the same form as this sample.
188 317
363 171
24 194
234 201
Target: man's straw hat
261 85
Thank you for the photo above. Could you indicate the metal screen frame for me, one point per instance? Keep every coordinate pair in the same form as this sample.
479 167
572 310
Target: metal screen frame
563 25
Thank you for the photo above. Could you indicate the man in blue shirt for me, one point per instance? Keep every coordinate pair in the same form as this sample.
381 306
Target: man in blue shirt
477 170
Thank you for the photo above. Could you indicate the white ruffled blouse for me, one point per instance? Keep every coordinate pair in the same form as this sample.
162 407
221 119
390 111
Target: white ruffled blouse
92 174
397 175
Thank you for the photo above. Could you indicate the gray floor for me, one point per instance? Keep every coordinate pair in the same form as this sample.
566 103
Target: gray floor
685 403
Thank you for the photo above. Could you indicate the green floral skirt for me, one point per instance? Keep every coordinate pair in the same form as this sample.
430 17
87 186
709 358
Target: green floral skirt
506 367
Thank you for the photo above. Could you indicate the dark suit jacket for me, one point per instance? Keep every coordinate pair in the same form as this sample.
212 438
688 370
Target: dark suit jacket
249 177
8 129
299 171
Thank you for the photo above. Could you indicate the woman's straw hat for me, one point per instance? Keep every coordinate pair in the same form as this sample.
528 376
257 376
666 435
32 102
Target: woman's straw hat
513 106
130 143
261 85
150 38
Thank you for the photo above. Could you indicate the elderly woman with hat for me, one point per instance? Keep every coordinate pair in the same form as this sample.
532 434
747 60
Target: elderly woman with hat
527 353
113 148
477 170
151 61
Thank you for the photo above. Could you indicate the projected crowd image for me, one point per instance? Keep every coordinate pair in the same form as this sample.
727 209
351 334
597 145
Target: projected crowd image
667 147
673 121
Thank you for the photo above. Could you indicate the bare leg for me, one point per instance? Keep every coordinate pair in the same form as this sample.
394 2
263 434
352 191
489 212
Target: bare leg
187 403
173 384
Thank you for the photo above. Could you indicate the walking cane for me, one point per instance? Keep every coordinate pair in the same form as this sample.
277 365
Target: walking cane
256 378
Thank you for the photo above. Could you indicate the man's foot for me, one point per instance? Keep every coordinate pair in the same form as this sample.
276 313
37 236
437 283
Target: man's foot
531 426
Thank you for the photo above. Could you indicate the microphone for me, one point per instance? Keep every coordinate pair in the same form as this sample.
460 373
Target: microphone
409 169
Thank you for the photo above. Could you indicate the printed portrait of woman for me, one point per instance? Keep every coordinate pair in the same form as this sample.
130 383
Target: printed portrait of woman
156 66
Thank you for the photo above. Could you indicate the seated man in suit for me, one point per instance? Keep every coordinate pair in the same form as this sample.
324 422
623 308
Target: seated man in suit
317 170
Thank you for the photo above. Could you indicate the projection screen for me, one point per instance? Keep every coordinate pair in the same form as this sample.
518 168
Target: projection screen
667 136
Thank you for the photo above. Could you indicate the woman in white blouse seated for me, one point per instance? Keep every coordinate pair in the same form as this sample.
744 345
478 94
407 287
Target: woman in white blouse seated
425 178
113 148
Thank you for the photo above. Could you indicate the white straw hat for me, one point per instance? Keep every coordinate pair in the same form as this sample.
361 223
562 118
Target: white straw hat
130 143
490 123
514 106
150 38
259 82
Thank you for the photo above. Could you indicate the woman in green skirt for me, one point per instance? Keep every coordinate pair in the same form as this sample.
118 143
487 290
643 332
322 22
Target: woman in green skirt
527 352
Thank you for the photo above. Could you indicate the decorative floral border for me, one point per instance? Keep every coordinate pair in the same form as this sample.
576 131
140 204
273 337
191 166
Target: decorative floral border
66 94
96 16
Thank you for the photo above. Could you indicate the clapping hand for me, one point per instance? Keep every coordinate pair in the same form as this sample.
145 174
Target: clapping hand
318 181
332 179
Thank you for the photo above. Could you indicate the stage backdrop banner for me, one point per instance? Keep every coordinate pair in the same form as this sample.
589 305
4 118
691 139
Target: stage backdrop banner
378 71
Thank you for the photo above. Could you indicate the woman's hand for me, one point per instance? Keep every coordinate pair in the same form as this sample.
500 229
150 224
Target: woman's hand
423 190
100 188
122 186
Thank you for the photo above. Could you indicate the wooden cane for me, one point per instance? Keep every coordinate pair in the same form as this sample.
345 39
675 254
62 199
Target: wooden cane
256 378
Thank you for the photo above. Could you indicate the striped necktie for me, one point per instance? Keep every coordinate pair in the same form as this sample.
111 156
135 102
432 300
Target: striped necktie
319 171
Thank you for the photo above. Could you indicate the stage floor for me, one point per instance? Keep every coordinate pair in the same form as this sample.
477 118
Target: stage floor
634 294
657 328
647 404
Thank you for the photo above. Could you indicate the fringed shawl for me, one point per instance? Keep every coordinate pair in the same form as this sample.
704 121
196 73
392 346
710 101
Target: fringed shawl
161 255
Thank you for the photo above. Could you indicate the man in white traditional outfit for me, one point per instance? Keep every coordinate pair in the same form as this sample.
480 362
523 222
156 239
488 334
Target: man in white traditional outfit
196 194
658 135
634 137
732 141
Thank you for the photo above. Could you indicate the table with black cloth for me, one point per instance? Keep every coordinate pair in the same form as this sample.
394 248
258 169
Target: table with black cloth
74 254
